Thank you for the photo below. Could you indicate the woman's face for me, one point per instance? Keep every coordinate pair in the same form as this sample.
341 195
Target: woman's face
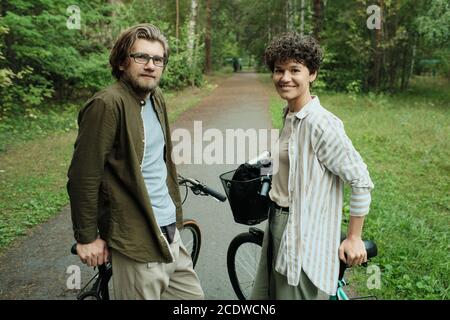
292 80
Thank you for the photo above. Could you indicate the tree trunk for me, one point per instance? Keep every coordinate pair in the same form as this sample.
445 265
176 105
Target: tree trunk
3 5
8 53
413 58
208 62
318 17
108 30
191 38
269 29
177 24
302 17
378 52
291 14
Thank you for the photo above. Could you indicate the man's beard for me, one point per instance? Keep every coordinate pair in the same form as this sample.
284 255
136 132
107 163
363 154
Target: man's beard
139 87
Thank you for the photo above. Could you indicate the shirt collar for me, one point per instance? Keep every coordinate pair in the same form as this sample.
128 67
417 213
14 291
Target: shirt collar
313 103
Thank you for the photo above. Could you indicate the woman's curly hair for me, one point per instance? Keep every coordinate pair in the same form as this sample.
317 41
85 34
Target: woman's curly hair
293 46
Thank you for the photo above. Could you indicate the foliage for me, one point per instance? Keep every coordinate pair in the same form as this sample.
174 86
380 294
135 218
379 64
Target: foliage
42 58
45 58
179 72
434 25
358 59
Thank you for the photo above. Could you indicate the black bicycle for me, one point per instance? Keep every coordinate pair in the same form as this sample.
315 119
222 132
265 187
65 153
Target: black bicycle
97 288
243 258
249 202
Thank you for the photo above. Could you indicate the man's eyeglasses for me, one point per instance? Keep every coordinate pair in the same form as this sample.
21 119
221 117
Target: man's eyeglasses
143 58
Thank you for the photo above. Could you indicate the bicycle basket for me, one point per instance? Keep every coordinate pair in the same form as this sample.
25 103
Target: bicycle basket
247 205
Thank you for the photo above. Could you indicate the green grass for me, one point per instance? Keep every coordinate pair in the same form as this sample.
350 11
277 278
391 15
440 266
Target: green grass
35 152
32 183
404 139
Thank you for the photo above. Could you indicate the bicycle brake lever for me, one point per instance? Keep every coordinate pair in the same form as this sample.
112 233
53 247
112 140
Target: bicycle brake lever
195 190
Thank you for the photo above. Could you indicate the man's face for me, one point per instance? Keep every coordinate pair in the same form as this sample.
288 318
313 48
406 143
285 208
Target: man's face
143 77
292 80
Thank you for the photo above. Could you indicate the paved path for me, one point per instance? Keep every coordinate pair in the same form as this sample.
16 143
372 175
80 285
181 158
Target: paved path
35 266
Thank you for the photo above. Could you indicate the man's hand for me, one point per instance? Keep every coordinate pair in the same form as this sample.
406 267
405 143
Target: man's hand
354 249
93 254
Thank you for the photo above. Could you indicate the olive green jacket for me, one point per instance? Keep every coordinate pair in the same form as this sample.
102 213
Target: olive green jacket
108 196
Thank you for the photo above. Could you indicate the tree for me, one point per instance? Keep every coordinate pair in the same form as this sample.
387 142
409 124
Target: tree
318 18
302 17
192 38
208 62
378 52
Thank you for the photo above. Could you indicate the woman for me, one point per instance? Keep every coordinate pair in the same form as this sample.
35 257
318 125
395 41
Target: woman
315 157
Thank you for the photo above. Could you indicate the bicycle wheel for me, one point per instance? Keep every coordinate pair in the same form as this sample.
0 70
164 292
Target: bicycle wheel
89 296
191 238
242 261
100 288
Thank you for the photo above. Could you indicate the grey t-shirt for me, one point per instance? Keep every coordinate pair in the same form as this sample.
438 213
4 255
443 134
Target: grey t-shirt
154 168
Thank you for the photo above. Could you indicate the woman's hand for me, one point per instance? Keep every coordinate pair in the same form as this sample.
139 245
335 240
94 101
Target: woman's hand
354 249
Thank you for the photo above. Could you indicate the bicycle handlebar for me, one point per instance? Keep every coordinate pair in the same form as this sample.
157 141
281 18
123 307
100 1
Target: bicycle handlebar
214 193
197 187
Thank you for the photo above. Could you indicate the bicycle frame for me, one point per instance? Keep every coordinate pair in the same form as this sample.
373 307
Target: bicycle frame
340 293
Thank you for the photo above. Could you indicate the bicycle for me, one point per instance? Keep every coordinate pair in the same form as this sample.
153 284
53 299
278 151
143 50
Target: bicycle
190 236
244 250
243 257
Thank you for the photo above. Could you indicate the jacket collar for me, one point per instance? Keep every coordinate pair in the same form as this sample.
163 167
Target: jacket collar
303 113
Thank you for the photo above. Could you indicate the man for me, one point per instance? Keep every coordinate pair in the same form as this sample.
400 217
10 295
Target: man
122 184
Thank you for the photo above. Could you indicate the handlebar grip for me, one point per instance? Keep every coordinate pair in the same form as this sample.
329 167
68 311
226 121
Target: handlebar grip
73 250
214 193
371 249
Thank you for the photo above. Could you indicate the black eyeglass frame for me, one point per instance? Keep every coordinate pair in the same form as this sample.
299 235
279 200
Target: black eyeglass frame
148 58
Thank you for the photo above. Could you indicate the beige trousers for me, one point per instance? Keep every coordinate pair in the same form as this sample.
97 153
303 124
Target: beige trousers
134 280
276 287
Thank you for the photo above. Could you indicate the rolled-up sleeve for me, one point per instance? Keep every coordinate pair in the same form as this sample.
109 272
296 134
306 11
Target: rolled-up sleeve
336 152
97 123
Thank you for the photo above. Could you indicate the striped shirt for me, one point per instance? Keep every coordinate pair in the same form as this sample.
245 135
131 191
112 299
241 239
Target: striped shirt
321 159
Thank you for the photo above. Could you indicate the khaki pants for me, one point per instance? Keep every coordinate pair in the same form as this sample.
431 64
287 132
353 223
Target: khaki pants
279 287
134 280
